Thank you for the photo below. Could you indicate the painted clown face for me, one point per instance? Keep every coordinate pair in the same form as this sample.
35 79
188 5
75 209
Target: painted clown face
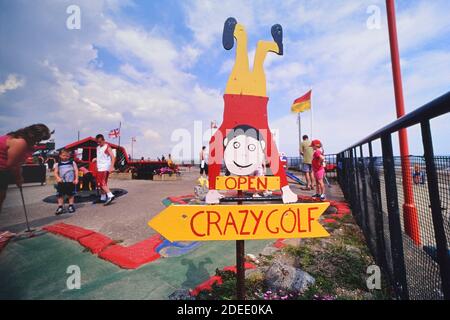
243 154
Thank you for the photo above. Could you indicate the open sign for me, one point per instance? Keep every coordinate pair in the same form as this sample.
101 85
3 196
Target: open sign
247 183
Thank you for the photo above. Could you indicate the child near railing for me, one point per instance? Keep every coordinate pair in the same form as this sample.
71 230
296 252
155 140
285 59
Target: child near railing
318 169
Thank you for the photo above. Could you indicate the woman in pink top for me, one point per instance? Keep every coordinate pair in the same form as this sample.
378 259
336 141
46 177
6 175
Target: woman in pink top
318 169
14 149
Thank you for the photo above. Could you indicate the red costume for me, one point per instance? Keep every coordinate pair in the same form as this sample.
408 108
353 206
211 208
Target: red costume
244 110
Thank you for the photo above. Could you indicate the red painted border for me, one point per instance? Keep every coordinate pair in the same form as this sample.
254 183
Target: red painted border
207 285
130 257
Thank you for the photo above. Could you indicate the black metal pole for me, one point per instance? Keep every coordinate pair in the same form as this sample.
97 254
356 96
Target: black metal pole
395 229
358 186
376 203
25 210
436 211
356 205
240 264
362 175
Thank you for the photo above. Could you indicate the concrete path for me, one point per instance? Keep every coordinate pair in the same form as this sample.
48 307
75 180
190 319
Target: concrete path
126 219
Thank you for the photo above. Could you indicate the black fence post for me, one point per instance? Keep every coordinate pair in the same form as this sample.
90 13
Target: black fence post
358 189
436 210
338 170
362 174
395 229
347 176
376 203
351 185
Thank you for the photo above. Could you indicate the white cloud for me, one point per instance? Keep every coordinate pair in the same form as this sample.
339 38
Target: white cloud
206 18
152 88
348 67
12 82
157 87
151 134
189 56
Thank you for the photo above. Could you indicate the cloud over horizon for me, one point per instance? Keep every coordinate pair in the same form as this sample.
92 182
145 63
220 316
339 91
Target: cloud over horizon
158 67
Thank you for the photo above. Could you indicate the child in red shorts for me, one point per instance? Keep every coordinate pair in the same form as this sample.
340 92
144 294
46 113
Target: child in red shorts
318 169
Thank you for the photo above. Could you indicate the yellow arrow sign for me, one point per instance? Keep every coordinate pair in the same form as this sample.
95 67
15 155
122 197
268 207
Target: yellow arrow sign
240 222
247 183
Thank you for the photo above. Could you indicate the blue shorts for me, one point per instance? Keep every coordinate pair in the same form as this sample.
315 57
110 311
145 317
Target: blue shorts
306 167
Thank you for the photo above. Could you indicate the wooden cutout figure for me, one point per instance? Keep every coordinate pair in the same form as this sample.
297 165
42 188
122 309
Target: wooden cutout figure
244 139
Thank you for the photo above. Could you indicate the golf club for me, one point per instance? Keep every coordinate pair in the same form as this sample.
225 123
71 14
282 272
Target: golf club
25 211
327 182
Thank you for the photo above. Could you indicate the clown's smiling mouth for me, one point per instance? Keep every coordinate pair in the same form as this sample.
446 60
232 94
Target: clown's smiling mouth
243 167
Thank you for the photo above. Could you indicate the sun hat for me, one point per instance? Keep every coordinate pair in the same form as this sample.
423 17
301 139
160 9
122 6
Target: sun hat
316 143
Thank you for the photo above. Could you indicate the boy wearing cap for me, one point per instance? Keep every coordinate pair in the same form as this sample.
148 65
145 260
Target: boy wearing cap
318 169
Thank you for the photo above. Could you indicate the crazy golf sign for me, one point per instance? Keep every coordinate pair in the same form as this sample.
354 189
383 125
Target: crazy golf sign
245 145
240 222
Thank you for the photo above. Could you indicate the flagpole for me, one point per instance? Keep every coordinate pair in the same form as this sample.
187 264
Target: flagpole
311 118
299 134
120 131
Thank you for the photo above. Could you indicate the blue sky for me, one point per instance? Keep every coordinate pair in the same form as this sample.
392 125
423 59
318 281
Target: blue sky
158 66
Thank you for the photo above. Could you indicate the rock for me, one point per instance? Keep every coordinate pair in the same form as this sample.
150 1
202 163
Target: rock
285 277
285 259
181 294
269 251
251 258
330 210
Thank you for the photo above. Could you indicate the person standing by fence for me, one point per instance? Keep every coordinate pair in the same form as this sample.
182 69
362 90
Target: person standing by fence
15 147
307 152
105 165
318 169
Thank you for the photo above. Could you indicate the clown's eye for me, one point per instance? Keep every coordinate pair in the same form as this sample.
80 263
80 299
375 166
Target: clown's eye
251 147
236 145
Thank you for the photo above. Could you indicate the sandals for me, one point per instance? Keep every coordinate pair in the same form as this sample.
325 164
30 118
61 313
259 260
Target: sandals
228 33
277 35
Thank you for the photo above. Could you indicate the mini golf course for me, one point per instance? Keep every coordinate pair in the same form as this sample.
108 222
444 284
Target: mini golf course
35 268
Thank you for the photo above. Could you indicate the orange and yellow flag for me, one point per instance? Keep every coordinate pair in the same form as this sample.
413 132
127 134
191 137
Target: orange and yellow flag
302 104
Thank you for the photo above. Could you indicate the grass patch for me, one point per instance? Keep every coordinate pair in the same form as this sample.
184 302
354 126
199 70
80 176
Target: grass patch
338 264
254 287
304 254
224 291
347 267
